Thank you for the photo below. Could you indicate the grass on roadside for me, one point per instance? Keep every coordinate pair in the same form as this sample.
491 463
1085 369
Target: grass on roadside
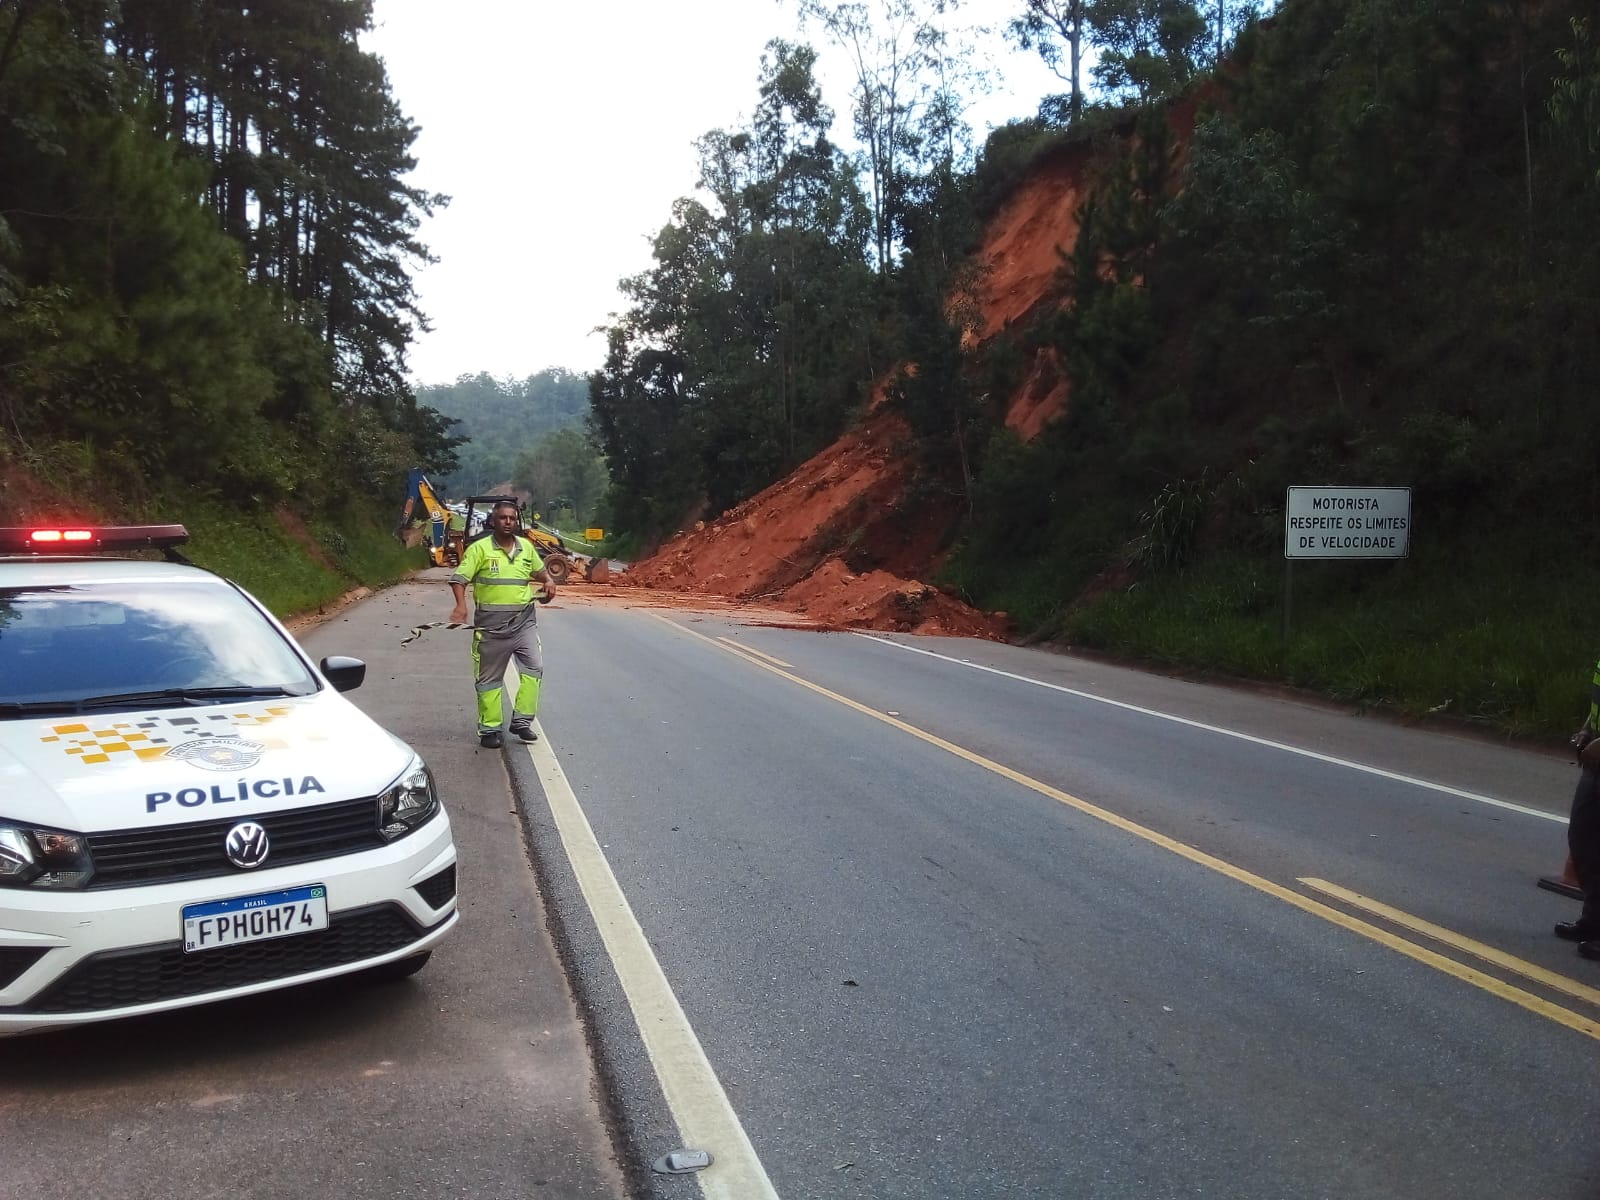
285 573
1500 646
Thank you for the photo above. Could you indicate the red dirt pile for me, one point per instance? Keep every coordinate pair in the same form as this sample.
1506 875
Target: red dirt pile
786 547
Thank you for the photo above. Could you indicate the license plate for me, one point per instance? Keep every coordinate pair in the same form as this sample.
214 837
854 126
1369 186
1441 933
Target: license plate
219 923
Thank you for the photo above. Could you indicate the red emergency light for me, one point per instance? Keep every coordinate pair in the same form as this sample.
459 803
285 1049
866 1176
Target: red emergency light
62 535
58 539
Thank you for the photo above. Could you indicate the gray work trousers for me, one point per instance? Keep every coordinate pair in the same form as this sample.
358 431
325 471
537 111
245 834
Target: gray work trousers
492 653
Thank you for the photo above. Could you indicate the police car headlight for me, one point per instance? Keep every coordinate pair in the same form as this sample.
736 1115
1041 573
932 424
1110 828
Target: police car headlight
43 858
409 804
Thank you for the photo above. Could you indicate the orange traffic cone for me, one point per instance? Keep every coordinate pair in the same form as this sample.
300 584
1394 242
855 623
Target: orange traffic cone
1566 883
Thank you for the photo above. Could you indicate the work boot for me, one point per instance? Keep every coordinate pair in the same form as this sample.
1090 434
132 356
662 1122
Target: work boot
524 730
1589 950
1577 931
490 740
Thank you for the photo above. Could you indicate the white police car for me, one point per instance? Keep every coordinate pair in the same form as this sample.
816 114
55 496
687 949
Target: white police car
189 810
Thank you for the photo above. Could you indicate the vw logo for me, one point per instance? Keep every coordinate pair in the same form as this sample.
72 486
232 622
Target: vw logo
246 845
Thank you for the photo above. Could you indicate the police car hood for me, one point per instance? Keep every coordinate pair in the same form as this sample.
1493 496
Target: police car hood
174 765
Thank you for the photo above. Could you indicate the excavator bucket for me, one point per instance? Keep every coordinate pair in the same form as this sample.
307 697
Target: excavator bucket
598 570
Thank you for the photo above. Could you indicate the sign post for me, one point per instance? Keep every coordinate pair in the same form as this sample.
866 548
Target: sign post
1343 522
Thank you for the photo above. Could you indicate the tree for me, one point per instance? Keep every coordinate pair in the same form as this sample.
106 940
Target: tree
1575 101
563 465
806 246
1148 48
641 417
307 150
1260 254
1223 17
206 242
131 309
904 63
748 341
495 422
1056 29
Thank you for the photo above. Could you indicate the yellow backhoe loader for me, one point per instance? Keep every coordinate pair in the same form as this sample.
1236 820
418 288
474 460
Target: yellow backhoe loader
558 560
422 499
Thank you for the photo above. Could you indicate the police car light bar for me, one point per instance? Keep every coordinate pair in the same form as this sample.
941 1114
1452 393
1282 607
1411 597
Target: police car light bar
69 539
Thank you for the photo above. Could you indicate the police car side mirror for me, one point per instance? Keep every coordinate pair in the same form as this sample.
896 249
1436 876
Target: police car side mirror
346 674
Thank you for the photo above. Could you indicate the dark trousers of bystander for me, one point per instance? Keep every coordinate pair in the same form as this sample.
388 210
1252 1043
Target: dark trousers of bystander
1583 841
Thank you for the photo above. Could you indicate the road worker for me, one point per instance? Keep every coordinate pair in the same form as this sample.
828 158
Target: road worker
508 580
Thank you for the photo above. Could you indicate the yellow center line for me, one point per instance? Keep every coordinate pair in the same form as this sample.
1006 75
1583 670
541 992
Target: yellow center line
1439 933
752 650
1334 916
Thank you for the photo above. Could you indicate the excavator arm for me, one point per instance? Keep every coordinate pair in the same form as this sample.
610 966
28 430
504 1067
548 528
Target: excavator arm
420 499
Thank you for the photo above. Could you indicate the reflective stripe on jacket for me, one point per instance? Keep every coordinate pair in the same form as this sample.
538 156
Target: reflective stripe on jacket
499 579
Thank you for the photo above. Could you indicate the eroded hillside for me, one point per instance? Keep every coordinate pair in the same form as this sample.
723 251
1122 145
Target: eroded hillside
841 541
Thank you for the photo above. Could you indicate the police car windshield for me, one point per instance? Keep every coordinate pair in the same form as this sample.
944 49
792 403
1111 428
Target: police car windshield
194 640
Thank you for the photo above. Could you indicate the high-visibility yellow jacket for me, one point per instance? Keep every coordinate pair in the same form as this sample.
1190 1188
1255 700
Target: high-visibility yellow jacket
501 595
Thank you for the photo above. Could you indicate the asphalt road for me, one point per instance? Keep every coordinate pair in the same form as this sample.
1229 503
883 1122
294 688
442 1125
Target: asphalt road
1029 926
473 1079
890 917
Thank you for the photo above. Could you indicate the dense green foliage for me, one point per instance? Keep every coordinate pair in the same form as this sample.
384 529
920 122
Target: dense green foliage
1377 268
295 569
1372 262
503 420
751 340
204 254
566 477
773 311
813 276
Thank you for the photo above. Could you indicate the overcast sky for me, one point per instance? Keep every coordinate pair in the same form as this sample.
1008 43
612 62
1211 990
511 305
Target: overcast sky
563 131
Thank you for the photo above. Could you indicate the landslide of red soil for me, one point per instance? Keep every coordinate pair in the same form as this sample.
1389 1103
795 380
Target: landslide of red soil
1022 253
840 542
786 547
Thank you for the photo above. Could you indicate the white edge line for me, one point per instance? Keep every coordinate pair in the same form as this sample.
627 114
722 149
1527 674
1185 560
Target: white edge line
1233 733
706 1120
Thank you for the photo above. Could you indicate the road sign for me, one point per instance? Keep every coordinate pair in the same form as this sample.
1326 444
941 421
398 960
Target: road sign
593 535
1347 522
